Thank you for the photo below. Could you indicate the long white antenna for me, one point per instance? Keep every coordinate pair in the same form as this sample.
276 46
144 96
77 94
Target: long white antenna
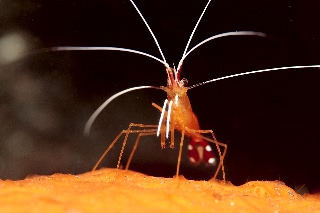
70 48
93 117
147 25
253 72
194 30
237 33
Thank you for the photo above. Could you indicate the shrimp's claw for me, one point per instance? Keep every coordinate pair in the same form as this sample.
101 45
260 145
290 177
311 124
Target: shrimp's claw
200 150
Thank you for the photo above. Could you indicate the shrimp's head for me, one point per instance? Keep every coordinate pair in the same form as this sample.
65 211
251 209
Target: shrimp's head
179 111
176 88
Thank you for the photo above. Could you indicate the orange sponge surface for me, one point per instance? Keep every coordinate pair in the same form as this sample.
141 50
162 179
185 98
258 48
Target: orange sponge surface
111 190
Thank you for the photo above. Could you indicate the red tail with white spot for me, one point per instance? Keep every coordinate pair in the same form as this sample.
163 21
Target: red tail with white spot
200 150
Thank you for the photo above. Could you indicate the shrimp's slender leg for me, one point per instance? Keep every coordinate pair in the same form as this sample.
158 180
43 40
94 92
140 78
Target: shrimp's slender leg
172 137
199 133
136 145
157 106
123 146
180 152
151 131
108 149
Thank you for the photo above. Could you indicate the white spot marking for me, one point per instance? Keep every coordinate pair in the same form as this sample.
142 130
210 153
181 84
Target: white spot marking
208 148
211 160
190 147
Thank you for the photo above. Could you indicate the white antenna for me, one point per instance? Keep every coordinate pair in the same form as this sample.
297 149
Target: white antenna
253 72
153 36
194 30
93 117
237 33
185 53
101 48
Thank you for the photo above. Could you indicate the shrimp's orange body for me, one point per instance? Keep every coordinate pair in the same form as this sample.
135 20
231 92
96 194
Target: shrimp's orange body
181 117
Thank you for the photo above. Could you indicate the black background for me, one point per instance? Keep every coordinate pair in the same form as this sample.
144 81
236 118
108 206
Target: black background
269 121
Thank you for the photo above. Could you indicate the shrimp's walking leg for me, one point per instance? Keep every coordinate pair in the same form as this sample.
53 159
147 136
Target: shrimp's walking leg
199 133
136 145
180 153
108 149
147 131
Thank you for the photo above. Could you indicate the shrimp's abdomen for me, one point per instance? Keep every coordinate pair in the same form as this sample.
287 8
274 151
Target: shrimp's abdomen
199 151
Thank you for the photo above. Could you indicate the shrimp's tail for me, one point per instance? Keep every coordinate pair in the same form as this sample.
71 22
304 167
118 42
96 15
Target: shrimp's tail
199 151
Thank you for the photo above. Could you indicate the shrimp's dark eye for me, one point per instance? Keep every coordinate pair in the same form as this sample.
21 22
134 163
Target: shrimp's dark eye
184 82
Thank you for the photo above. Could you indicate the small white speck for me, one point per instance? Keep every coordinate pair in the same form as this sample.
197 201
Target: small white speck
208 148
190 147
231 203
211 160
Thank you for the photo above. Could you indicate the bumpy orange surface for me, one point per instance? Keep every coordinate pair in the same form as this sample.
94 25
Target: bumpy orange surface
110 190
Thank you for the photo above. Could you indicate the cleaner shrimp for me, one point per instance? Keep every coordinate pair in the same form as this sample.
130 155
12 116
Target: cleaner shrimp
176 112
